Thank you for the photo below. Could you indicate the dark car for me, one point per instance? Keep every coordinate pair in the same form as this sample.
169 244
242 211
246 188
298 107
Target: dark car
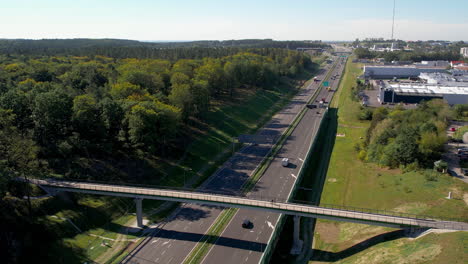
311 106
247 224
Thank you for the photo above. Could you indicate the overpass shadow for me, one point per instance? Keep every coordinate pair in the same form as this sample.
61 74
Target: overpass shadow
326 256
197 237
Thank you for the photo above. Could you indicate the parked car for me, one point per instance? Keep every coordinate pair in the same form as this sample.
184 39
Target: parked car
453 129
285 162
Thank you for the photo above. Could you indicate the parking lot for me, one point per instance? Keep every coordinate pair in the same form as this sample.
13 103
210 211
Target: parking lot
451 152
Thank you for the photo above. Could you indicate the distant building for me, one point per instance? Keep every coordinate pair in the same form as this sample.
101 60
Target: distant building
464 52
457 79
437 63
390 72
415 93
457 63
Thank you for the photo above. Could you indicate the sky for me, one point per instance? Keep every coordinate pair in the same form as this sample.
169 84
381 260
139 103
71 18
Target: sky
235 19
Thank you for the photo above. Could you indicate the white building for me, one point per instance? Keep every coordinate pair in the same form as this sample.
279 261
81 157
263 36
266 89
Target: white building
397 93
464 52
457 78
437 63
390 72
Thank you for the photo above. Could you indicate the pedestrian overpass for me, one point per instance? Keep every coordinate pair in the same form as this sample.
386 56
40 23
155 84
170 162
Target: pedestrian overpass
347 214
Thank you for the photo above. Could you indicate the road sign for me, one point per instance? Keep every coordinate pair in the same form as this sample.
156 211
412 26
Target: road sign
325 84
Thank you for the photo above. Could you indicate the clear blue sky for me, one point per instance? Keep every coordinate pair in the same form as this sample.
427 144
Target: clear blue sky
237 19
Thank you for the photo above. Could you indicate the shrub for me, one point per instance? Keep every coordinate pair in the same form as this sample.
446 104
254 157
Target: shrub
430 175
362 155
365 114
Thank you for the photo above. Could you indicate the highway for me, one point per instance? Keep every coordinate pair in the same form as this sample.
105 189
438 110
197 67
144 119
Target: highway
277 181
172 241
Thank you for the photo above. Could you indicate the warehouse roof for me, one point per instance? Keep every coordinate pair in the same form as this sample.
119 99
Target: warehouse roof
429 89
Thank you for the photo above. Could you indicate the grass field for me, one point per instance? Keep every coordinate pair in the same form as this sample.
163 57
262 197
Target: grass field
351 182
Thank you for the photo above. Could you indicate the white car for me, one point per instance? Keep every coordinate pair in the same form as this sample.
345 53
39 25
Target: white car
285 162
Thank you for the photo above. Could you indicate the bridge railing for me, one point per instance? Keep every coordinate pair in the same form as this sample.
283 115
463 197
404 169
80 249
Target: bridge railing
229 196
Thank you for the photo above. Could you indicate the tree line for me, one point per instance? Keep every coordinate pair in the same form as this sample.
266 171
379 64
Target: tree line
415 56
118 48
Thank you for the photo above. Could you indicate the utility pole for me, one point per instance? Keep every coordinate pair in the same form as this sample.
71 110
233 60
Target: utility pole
393 19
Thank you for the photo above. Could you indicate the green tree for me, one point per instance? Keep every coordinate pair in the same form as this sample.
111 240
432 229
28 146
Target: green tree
52 116
152 124
87 118
124 90
181 97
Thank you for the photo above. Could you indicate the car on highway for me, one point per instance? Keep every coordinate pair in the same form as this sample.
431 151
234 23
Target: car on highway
311 106
247 224
285 162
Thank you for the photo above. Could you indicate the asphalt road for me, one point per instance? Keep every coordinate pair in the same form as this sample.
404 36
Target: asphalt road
173 241
239 245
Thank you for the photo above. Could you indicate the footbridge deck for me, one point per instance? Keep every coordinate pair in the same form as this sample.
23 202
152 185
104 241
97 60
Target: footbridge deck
343 214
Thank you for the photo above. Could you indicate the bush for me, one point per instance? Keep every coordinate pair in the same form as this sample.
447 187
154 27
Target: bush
431 175
362 155
365 114
411 167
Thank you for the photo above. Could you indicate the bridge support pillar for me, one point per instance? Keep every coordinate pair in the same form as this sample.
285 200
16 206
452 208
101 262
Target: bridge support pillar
139 211
297 242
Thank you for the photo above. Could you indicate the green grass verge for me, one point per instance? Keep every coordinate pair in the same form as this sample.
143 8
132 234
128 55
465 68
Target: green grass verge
351 182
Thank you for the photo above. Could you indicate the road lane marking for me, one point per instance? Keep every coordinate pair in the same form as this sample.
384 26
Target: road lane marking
301 159
164 243
270 225
294 176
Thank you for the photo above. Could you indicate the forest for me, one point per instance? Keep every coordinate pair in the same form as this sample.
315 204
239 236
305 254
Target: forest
120 48
61 115
415 56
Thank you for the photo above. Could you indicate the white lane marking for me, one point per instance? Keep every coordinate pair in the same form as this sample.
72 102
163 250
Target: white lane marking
163 252
156 260
294 176
169 246
301 159
251 231
164 243
270 225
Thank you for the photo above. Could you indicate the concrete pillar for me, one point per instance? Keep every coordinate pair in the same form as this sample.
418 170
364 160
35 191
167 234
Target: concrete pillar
297 242
139 211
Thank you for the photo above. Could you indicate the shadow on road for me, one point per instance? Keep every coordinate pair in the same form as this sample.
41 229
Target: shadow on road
196 237
326 256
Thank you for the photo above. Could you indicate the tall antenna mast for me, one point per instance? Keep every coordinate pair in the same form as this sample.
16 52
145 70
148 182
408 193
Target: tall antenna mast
393 20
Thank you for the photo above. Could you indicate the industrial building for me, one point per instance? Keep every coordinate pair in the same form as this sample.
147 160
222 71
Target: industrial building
415 93
457 78
390 72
